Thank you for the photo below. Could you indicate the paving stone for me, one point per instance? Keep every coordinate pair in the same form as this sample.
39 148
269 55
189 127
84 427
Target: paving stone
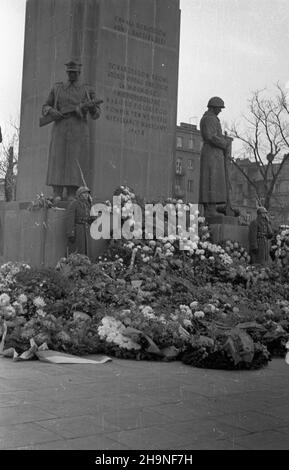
212 444
79 426
75 407
133 418
278 412
200 427
266 440
142 405
17 435
87 443
253 421
179 411
148 438
22 414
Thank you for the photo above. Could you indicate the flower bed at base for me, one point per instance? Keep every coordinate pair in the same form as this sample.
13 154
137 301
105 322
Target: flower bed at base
147 299
175 308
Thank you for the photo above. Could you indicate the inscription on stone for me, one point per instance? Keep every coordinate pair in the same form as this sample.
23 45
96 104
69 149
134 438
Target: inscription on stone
139 30
138 99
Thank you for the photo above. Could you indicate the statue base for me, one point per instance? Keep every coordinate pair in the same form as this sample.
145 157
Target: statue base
36 237
224 228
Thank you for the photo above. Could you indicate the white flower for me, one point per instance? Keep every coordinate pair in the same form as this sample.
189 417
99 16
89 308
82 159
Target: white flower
22 298
199 314
9 312
210 308
174 317
187 322
4 300
40 312
39 302
194 304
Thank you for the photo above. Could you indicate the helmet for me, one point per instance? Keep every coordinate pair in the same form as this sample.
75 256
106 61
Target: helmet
81 190
216 102
262 210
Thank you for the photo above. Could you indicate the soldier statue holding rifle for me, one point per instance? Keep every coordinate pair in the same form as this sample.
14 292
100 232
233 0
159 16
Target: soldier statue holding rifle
68 106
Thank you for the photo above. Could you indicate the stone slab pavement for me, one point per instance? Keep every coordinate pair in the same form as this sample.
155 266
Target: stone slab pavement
126 404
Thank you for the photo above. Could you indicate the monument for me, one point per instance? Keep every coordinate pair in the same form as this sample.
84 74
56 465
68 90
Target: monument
129 53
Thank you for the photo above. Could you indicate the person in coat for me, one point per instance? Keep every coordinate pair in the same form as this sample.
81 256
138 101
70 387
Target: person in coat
69 105
78 222
213 187
260 232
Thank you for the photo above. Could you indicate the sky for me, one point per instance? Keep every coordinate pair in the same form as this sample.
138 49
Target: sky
228 48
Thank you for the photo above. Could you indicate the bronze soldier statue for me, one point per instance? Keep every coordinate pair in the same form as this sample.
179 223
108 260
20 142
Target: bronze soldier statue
78 221
260 232
213 183
68 105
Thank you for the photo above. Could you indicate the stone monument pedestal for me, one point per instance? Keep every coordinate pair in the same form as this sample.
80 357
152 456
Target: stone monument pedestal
36 237
224 228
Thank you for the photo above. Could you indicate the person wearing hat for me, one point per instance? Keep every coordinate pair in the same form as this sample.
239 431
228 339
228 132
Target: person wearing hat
260 232
78 222
69 105
213 188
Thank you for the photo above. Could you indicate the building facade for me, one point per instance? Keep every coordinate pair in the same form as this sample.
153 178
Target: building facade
187 163
243 194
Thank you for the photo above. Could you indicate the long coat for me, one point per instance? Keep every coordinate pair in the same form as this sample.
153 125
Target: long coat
77 226
70 136
260 232
212 167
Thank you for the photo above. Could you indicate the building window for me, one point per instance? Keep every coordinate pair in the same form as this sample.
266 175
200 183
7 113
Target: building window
277 188
191 143
179 142
178 166
190 164
190 186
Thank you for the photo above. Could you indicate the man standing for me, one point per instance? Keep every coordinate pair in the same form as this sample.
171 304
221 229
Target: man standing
78 222
260 231
213 188
68 105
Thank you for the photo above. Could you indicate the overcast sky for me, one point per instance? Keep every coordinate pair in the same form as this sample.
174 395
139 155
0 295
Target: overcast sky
228 48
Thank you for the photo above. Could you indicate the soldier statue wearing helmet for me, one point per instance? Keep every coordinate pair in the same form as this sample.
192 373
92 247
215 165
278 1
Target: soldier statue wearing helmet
260 232
213 183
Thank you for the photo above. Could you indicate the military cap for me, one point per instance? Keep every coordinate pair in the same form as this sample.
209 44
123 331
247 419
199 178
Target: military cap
216 102
73 66
81 190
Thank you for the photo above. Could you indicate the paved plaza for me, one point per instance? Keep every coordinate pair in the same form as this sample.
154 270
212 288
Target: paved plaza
126 405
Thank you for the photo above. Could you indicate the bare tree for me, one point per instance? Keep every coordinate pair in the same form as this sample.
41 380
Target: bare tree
265 140
9 159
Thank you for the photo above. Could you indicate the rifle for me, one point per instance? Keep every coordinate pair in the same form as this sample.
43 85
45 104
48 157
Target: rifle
228 208
44 120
